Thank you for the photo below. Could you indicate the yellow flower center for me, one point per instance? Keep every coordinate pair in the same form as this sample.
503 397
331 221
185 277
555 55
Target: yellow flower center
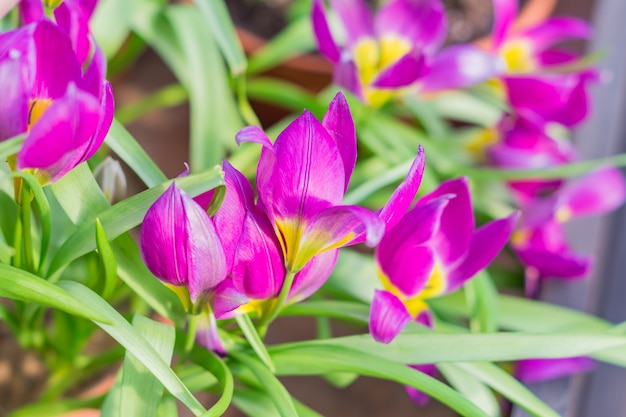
517 55
371 57
436 285
37 108
477 143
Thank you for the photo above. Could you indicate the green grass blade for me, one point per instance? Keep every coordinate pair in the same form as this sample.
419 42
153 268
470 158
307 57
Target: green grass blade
21 285
134 343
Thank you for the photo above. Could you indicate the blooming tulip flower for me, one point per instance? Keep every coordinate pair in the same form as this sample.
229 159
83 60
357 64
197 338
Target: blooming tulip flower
301 180
180 246
431 251
540 241
522 62
381 54
64 111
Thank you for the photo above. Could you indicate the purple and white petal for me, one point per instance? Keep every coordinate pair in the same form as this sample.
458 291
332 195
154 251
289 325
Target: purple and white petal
388 316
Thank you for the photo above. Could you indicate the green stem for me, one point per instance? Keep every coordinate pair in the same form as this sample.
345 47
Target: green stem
25 213
272 313
191 333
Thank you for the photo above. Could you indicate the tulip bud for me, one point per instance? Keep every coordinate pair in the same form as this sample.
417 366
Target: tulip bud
111 178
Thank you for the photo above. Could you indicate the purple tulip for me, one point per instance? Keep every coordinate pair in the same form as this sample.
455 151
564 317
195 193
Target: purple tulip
180 245
382 54
301 180
432 250
540 241
65 112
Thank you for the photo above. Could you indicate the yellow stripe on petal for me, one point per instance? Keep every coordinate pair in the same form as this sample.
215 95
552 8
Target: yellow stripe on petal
392 48
37 108
436 284
477 143
517 55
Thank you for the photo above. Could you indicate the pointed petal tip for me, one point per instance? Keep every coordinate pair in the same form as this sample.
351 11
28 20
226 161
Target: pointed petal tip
253 134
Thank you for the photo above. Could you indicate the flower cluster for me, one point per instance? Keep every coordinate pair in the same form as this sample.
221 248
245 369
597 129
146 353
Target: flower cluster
54 89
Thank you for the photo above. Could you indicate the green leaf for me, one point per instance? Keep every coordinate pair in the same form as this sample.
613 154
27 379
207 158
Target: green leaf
21 285
369 187
295 39
127 214
323 359
253 338
11 146
482 296
214 115
126 147
510 387
425 348
284 94
44 214
216 366
471 387
218 19
465 107
107 261
133 342
274 389
59 407
140 390
342 310
254 403
110 37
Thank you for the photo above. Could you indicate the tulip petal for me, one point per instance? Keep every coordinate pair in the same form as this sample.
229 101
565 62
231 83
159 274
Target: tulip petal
356 18
310 175
504 12
416 395
258 269
107 111
207 335
340 125
335 227
57 65
408 69
229 218
323 37
597 192
486 243
403 196
70 16
14 106
179 243
457 221
253 134
346 75
461 66
388 316
556 30
31 11
226 299
57 141
422 23
563 265
313 275
536 370
409 269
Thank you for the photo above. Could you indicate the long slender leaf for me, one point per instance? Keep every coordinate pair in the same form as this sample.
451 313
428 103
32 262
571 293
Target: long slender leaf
217 18
127 148
127 214
248 329
471 387
128 337
216 366
60 407
140 390
482 297
214 115
508 386
107 261
295 39
24 286
425 348
320 360
274 389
